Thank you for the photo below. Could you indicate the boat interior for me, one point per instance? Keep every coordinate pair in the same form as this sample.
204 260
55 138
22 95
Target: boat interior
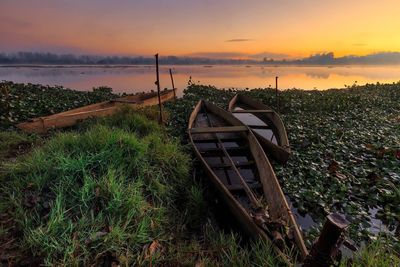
212 145
258 123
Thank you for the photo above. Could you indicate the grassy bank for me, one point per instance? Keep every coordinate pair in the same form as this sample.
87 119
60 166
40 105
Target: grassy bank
115 190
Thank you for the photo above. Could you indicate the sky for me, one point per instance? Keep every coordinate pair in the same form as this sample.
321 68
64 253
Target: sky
210 28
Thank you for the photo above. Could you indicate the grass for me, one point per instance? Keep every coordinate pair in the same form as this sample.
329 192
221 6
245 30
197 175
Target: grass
375 254
119 189
14 143
106 189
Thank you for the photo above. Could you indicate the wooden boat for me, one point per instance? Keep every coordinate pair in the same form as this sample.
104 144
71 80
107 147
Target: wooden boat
265 123
73 116
239 169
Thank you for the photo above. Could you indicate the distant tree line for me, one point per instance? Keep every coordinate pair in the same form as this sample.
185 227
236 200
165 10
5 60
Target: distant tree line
70 59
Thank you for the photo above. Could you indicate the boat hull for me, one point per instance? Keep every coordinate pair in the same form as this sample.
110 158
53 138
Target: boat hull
280 149
269 188
71 117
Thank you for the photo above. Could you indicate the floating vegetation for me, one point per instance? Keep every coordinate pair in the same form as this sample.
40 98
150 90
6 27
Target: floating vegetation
21 102
346 152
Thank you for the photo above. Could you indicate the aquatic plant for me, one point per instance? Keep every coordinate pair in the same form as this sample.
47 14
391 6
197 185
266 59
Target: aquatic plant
21 102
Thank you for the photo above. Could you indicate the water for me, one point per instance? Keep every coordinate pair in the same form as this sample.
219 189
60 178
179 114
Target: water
141 78
250 119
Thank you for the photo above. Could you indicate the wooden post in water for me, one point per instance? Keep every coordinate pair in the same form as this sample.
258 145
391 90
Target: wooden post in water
325 251
277 96
172 81
158 89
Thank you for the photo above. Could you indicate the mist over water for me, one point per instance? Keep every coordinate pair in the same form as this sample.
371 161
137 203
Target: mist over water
141 78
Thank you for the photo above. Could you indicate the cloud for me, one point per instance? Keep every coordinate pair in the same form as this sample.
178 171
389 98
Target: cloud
239 40
10 22
269 55
224 55
230 55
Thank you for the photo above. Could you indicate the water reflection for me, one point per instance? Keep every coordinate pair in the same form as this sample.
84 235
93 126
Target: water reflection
141 78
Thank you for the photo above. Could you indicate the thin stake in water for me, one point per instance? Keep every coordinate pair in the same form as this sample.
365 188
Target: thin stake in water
277 95
172 81
158 89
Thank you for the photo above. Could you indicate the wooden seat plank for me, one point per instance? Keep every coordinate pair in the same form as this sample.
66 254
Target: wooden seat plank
227 166
229 129
253 111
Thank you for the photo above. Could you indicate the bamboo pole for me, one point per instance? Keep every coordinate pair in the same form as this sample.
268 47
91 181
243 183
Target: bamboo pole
277 95
158 89
172 81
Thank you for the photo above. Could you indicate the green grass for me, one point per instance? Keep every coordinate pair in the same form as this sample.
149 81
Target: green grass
375 254
116 186
106 189
14 143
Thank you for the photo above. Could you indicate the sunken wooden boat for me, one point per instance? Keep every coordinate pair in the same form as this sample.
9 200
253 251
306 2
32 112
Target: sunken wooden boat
265 123
239 169
73 116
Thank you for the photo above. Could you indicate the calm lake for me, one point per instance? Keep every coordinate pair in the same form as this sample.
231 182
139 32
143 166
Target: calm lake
141 78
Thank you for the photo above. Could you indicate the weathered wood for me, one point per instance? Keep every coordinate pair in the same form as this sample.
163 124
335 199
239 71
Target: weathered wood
277 93
213 140
278 239
279 151
158 89
238 165
260 127
172 82
106 108
325 250
246 188
126 101
236 187
264 177
230 129
216 152
252 111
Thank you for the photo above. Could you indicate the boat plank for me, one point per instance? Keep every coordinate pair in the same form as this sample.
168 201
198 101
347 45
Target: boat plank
229 129
253 111
278 147
71 117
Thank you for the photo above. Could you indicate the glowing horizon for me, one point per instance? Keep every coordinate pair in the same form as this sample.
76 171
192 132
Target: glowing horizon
279 29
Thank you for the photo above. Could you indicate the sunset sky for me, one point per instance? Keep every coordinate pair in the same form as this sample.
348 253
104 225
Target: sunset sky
214 28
